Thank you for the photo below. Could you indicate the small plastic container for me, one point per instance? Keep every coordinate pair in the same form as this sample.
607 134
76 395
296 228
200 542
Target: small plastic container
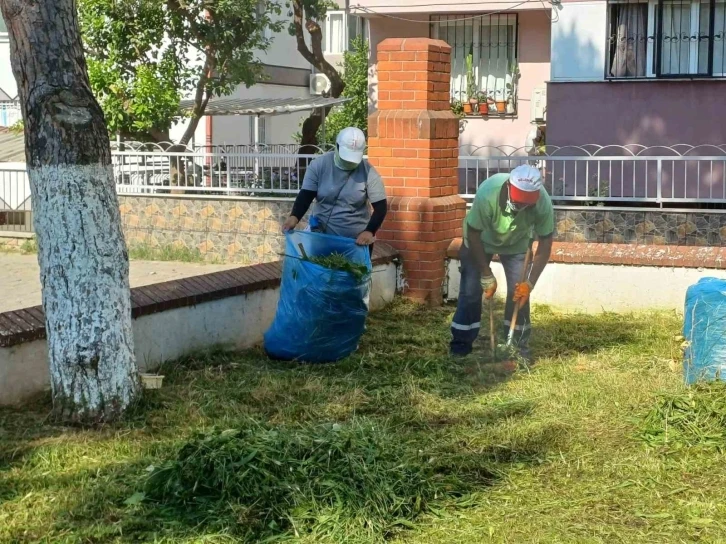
152 381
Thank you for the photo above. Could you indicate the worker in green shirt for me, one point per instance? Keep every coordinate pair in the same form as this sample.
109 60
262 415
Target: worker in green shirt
508 211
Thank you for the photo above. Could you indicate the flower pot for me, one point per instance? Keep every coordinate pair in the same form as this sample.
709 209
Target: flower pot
484 110
501 106
151 381
467 108
510 107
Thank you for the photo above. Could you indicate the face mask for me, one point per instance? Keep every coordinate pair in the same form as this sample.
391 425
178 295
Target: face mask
343 165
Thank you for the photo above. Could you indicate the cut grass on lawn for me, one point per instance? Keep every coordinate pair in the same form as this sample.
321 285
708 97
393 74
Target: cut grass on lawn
599 443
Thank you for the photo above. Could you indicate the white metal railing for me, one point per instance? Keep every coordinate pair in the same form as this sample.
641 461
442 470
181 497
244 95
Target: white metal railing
659 175
243 170
573 175
15 208
9 113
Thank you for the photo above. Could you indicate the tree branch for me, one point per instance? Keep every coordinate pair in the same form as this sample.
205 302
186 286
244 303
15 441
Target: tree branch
316 57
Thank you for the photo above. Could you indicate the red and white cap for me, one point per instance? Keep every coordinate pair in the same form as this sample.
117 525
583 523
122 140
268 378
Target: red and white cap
525 182
351 144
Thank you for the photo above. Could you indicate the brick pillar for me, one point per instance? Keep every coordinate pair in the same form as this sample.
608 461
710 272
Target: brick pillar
414 144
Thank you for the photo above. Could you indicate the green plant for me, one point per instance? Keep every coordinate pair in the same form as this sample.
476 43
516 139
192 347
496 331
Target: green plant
17 127
457 108
600 190
471 85
331 481
147 252
353 113
512 86
338 261
144 55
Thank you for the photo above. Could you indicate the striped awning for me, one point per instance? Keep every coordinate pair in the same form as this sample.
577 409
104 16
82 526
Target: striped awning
262 106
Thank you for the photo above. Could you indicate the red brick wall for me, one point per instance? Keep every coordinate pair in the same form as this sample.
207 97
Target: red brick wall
413 143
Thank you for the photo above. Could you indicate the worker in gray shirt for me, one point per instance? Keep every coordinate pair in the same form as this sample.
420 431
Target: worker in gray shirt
343 185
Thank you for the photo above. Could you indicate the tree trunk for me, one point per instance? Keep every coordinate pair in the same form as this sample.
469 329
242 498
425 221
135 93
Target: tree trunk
315 56
84 267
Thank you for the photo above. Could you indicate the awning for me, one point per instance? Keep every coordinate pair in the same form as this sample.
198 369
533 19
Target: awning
262 106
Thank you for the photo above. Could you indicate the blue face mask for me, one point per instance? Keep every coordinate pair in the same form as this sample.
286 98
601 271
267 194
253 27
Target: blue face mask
343 165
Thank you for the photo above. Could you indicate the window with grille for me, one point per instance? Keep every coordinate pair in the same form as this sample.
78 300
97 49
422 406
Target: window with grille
490 41
665 38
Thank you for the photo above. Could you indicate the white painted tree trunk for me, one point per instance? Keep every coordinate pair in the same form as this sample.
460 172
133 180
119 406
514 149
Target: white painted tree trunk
84 272
81 250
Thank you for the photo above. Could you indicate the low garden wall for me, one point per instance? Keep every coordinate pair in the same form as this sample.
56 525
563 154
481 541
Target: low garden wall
172 319
221 229
594 278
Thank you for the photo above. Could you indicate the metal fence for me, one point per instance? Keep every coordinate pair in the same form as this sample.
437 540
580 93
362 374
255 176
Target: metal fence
654 176
637 175
242 170
15 209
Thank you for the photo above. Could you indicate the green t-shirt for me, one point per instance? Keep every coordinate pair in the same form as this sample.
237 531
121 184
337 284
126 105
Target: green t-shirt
505 234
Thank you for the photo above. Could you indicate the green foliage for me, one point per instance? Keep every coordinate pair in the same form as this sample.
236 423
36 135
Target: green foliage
353 113
17 127
352 482
692 418
457 108
338 261
144 55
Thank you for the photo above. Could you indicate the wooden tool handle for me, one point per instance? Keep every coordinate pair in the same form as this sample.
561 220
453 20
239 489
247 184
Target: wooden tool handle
492 335
518 305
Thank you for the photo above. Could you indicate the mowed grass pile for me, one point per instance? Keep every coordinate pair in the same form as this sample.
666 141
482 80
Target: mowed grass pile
599 442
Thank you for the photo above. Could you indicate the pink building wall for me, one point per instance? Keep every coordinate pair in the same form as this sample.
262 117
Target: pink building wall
649 113
534 64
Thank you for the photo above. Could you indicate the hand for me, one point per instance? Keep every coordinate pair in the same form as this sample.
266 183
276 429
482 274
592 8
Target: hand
522 292
290 223
365 238
489 286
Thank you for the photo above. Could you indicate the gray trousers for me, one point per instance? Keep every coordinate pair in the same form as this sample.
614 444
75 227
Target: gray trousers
467 319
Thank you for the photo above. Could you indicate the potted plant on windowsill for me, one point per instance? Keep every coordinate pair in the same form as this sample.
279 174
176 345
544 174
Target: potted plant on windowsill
457 108
471 90
485 101
512 88
501 102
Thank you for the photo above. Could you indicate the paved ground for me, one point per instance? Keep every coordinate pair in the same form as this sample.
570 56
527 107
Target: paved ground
20 283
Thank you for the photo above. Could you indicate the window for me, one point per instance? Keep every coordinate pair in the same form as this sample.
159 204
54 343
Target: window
334 33
667 38
490 42
258 130
3 30
261 9
357 28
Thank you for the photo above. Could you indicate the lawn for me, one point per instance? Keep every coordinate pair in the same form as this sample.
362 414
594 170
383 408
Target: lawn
599 442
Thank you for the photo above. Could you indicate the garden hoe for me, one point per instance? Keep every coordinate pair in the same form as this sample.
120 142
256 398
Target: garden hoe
507 353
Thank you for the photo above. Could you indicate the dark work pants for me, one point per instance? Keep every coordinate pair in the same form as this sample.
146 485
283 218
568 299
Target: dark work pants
467 319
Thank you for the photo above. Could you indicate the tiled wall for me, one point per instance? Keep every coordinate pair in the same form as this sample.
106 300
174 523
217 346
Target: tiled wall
238 231
597 225
248 231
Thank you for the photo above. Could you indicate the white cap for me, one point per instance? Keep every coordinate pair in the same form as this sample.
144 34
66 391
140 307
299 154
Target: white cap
526 178
351 144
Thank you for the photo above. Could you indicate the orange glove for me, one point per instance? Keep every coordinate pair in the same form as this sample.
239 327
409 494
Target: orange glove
489 286
522 291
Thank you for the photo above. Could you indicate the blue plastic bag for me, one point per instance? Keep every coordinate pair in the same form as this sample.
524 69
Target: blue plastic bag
321 314
704 329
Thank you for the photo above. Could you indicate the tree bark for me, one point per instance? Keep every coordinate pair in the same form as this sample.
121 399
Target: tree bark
84 267
315 56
